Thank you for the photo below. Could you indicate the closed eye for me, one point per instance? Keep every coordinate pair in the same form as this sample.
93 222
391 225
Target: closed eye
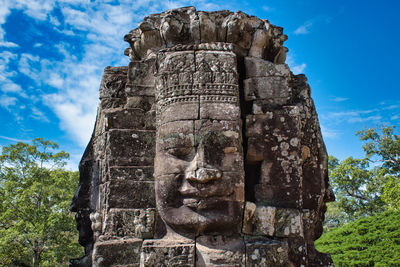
184 153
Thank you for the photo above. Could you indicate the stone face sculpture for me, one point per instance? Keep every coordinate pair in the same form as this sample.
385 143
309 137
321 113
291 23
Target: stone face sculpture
198 170
206 151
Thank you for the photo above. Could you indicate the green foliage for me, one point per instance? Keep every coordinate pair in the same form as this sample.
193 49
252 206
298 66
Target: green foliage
369 241
391 193
36 227
357 188
384 147
366 186
334 216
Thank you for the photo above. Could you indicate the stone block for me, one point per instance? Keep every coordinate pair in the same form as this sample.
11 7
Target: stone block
176 62
219 107
266 252
178 109
220 251
274 140
124 223
128 119
298 252
221 87
142 102
130 147
113 82
260 43
175 135
210 26
215 61
257 67
288 223
168 252
117 253
272 221
141 74
280 124
259 220
274 89
142 173
278 196
131 194
139 90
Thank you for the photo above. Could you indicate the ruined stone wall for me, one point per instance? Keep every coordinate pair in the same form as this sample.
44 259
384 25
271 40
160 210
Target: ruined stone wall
206 151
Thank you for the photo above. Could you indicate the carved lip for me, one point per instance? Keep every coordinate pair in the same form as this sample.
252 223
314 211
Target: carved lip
202 203
207 192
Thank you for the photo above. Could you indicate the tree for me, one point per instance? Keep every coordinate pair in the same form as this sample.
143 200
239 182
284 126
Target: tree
36 227
369 241
384 148
357 188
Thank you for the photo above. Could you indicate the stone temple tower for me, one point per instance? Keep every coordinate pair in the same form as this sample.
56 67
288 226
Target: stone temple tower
206 151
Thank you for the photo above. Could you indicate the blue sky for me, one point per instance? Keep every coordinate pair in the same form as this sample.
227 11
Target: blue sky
52 55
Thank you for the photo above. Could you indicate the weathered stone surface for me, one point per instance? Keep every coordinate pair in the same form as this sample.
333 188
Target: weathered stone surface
117 253
220 251
127 223
130 147
171 158
272 221
113 82
128 119
266 252
141 173
168 252
140 80
256 67
274 90
130 194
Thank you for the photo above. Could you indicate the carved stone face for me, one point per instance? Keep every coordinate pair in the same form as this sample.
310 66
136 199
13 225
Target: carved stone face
199 175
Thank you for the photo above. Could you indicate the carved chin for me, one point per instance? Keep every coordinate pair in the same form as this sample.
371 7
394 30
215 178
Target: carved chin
203 218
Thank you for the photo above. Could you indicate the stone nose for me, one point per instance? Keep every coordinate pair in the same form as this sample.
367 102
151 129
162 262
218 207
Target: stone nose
200 171
203 175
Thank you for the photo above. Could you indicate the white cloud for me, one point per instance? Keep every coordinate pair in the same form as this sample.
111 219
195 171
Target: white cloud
38 115
28 65
355 116
267 8
395 117
340 99
390 107
55 80
10 87
303 29
8 44
297 69
7 101
74 80
6 75
329 133
14 139
38 9
375 118
294 66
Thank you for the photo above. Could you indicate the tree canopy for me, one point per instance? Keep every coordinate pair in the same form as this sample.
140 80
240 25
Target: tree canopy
363 225
369 241
36 227
366 186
